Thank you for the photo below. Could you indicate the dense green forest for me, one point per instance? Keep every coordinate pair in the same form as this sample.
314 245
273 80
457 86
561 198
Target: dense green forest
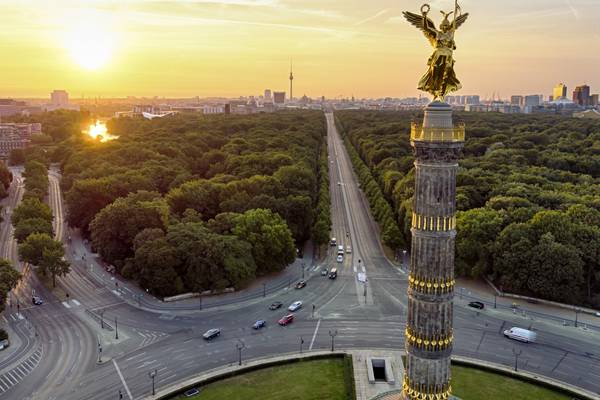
192 202
528 196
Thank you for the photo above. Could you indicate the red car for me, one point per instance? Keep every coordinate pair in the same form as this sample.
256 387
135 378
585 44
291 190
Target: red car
286 320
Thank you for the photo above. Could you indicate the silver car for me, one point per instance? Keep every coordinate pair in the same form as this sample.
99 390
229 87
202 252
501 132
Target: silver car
211 334
295 306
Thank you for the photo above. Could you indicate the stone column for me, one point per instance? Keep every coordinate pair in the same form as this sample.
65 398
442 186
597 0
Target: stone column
437 145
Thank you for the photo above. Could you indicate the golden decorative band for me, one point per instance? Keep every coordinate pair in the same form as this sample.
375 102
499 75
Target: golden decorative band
429 343
422 392
433 224
420 133
427 286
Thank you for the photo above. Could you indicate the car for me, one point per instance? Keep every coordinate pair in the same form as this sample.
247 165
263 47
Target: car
261 323
340 258
301 284
348 249
333 242
324 272
37 301
520 334
598 314
286 320
295 306
275 305
477 304
211 334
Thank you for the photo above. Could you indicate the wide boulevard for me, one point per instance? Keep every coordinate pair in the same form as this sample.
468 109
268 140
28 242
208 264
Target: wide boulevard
98 335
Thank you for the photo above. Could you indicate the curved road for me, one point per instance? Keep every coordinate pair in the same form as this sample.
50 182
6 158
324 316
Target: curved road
167 338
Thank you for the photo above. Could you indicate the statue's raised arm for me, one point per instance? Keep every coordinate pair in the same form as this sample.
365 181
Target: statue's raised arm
440 79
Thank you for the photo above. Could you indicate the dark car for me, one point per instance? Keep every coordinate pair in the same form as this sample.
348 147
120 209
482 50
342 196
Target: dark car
36 300
261 323
211 334
286 320
477 304
275 305
324 272
300 284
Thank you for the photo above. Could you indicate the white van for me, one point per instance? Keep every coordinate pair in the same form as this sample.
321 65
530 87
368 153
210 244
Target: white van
341 248
520 334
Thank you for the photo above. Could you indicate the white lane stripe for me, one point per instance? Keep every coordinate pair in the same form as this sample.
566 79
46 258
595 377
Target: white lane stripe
76 302
64 303
122 379
314 335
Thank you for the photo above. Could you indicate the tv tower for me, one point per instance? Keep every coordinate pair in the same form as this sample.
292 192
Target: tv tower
291 82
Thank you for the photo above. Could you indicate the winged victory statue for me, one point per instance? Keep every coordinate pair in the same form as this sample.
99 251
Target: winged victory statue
440 79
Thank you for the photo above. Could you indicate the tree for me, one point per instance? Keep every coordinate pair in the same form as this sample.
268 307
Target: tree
556 271
32 249
32 225
16 157
156 261
6 176
31 208
9 277
53 261
115 226
272 244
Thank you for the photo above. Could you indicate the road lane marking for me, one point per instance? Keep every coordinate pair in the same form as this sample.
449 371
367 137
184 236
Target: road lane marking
122 379
314 335
64 303
76 302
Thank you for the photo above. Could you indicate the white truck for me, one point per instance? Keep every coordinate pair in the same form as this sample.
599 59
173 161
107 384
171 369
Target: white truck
520 334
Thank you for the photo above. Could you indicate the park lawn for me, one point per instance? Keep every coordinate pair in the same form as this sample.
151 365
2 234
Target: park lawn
305 380
473 384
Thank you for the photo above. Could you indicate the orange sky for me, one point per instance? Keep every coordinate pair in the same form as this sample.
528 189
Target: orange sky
204 48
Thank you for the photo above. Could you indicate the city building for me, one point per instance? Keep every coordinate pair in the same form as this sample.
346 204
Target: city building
213 109
581 95
268 97
16 136
15 107
279 97
517 100
594 101
59 98
560 91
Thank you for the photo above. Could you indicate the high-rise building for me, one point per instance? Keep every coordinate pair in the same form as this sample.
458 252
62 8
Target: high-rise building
516 100
268 96
581 95
279 97
59 98
533 100
560 91
594 101
437 145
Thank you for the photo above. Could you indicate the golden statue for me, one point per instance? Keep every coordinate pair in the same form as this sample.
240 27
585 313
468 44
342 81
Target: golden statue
440 79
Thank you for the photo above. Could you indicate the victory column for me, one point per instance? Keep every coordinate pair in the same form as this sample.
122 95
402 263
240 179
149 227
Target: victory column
437 145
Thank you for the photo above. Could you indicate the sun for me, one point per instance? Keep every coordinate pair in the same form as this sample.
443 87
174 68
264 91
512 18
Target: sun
90 44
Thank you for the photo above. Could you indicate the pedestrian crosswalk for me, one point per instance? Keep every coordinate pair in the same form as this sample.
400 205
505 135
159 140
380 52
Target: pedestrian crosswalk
17 374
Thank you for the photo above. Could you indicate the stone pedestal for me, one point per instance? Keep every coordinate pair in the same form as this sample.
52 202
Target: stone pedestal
437 145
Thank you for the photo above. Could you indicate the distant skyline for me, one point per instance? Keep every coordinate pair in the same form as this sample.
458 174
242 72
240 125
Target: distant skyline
342 48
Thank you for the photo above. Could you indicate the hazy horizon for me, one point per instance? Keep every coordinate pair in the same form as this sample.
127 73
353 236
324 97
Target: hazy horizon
228 48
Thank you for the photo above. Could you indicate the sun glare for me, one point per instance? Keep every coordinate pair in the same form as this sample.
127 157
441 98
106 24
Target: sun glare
90 44
98 131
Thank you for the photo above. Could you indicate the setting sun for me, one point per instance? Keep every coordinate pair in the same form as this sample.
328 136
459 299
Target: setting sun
90 44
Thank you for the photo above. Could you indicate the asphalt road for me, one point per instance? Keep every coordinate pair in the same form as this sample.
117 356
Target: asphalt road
167 338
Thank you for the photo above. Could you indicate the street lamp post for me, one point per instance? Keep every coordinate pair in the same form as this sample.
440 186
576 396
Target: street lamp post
301 343
333 334
303 265
365 291
313 311
576 316
200 301
152 375
404 260
99 352
516 354
495 296
264 289
116 329
240 346
102 319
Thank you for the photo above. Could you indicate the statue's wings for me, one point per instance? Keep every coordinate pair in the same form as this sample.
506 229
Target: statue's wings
423 23
461 20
